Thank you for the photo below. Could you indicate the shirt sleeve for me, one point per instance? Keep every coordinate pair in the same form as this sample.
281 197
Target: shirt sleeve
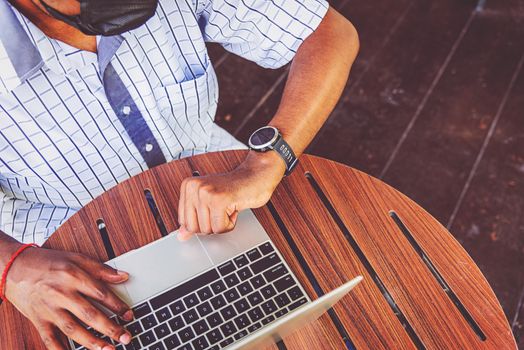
268 32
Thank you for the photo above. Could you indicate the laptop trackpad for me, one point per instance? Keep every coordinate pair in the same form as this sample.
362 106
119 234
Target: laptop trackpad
154 270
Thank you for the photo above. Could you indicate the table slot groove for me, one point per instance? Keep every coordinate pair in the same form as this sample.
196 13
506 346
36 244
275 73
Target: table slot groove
155 212
102 229
440 279
365 262
310 276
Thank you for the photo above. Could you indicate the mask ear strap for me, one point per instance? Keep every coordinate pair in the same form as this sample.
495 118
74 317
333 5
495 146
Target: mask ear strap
74 21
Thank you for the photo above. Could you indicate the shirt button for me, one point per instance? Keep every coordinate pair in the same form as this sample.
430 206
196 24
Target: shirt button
126 110
149 147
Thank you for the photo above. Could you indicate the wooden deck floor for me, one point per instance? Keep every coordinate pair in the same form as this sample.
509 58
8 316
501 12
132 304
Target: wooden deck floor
434 107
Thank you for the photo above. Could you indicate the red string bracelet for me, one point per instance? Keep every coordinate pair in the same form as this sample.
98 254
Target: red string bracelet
9 264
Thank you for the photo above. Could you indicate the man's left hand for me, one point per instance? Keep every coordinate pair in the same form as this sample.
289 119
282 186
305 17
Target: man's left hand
210 204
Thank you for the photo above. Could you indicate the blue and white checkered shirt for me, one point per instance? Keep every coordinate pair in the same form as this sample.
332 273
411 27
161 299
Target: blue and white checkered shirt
75 123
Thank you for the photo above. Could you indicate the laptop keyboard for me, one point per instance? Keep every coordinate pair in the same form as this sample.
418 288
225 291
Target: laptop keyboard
217 307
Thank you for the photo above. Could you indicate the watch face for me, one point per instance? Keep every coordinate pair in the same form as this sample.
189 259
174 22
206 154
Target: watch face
263 137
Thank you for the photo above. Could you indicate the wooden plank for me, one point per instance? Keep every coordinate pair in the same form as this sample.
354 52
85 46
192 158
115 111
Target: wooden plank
434 163
363 205
367 317
490 220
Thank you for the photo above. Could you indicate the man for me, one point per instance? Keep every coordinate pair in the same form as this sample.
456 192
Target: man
94 92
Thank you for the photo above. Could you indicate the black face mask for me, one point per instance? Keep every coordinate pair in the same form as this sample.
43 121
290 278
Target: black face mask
108 17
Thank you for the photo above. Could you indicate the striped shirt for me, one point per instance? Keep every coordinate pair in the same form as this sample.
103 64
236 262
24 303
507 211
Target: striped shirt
74 123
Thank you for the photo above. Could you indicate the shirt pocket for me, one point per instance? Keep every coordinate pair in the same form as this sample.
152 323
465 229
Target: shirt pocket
190 106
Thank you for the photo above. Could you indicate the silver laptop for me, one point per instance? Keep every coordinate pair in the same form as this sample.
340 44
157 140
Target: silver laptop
228 291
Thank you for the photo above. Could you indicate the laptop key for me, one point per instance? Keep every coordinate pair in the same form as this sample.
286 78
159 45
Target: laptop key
141 310
171 342
241 261
240 334
231 280
257 281
254 298
284 283
245 288
232 295
269 307
227 268
295 293
186 347
204 293
266 248
204 309
268 319
244 273
268 291
147 338
135 328
226 342
218 302
228 312
149 322
186 334
218 287
281 313
255 314
297 304
228 328
214 336
275 272
191 300
157 346
241 305
242 321
200 327
184 289
265 263
190 316
254 327
163 315
176 323
161 331
254 254
282 300
134 345
200 343
177 307
214 319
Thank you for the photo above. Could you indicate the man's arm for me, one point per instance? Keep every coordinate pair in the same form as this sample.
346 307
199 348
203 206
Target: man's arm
318 74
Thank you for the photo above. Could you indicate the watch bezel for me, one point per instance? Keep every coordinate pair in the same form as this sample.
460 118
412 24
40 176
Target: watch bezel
267 145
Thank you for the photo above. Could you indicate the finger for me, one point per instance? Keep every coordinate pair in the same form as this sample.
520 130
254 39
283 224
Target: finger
73 330
204 221
100 292
191 219
181 203
50 338
93 317
221 222
100 271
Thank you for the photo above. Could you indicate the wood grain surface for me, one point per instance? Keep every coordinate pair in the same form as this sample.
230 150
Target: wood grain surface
421 290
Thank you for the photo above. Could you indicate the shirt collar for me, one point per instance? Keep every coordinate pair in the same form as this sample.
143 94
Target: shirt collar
19 58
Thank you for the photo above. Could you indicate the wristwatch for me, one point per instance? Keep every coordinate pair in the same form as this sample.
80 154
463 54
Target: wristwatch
269 138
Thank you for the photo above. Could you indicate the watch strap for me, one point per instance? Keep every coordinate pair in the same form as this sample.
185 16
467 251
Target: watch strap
286 153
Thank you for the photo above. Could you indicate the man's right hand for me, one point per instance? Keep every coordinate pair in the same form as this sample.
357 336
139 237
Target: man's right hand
55 289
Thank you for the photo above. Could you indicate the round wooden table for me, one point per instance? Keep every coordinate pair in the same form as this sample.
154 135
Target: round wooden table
421 290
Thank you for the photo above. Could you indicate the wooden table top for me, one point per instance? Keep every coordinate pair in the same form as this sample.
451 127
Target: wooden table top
421 290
